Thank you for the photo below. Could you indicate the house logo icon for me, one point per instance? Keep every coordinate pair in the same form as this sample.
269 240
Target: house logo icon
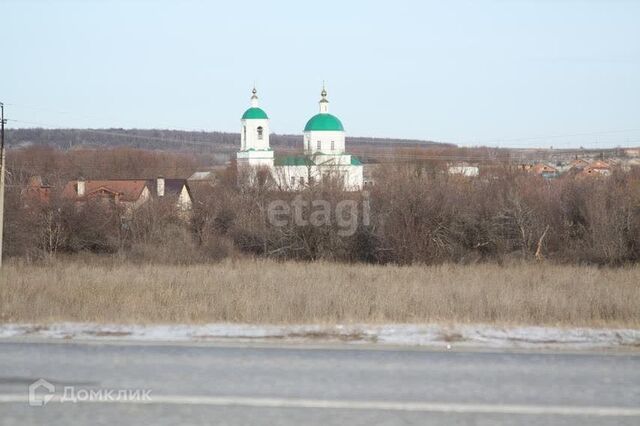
40 392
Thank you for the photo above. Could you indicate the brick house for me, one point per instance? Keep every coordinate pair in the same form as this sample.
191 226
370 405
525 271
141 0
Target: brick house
544 170
597 168
36 193
578 164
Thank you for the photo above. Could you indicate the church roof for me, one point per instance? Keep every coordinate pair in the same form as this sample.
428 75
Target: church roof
324 122
254 113
293 160
301 160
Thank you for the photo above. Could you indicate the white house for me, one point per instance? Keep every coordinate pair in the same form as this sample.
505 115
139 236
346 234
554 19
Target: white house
463 169
324 152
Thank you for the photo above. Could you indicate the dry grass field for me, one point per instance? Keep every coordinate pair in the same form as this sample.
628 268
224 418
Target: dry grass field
261 291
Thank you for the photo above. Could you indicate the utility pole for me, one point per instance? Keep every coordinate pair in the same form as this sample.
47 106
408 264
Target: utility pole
2 155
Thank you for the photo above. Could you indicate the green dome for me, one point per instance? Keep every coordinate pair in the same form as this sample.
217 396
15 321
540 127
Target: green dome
325 122
254 113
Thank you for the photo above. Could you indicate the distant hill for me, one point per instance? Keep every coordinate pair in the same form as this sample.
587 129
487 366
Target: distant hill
213 148
174 140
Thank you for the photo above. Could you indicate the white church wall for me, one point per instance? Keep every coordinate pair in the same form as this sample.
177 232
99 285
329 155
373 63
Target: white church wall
332 160
325 137
252 158
292 178
354 178
249 137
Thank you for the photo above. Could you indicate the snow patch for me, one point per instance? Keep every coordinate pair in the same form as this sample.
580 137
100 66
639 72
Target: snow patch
478 335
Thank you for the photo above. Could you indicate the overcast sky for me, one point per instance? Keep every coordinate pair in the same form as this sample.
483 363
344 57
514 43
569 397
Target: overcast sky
501 73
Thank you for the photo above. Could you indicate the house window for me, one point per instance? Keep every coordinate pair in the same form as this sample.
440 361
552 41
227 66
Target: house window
260 133
318 145
333 145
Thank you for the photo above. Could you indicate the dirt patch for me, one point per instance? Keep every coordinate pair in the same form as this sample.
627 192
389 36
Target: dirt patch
331 335
307 335
36 329
109 333
451 337
233 336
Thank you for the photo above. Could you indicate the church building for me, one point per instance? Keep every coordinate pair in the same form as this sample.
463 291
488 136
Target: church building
324 156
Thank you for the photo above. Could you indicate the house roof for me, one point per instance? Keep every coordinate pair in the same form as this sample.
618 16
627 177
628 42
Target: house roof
171 186
37 182
599 164
578 163
543 168
37 190
128 190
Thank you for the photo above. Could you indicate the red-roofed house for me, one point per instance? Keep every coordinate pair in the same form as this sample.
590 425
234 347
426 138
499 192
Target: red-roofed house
578 164
129 193
544 170
597 168
36 193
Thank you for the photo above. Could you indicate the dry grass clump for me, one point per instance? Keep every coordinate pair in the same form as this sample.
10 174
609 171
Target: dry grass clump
262 291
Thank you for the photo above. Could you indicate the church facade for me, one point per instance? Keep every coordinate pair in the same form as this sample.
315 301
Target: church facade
324 156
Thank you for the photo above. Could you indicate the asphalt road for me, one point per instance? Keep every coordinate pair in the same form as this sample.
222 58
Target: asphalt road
332 385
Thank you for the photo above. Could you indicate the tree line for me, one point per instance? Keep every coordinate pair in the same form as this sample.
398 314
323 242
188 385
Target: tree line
415 215
197 142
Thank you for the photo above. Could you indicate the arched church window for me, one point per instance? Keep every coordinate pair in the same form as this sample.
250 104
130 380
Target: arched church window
318 145
333 145
244 135
260 132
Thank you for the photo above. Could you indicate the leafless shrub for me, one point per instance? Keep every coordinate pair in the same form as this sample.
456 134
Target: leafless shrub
418 214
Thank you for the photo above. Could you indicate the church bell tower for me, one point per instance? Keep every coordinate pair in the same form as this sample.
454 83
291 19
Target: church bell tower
254 136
